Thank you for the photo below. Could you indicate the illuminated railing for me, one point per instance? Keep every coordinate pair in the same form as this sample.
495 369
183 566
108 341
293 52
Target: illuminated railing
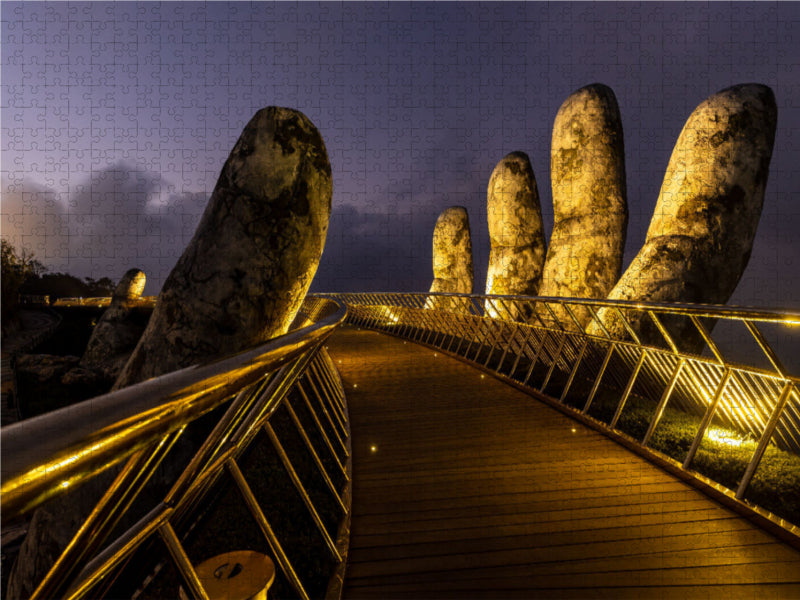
661 360
138 427
103 301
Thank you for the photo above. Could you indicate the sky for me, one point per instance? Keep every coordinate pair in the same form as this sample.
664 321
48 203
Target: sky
117 118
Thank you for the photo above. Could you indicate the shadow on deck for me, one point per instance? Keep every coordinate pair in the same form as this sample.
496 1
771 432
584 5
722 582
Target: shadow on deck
466 487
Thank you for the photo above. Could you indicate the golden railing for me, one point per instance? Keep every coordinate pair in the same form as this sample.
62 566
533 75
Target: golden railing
137 427
663 354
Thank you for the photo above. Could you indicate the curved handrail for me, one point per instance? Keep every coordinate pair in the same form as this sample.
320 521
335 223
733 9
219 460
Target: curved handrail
80 441
50 454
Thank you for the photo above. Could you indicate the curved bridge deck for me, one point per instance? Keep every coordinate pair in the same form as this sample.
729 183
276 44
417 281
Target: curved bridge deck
464 487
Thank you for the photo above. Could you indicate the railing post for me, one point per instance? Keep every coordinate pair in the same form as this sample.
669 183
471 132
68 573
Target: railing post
712 407
662 403
774 418
599 376
628 388
574 370
556 358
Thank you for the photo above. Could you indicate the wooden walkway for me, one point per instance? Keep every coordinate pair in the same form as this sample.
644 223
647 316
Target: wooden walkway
464 487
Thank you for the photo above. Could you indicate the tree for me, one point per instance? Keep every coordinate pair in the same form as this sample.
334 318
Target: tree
16 270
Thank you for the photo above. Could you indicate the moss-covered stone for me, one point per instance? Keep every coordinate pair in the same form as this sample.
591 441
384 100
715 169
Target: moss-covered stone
245 273
516 231
589 198
452 254
701 235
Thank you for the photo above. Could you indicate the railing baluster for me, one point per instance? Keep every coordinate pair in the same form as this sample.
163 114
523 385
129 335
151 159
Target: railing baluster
317 461
662 403
290 470
330 419
628 389
600 373
527 330
261 520
105 562
712 407
766 436
329 396
320 428
555 360
535 358
185 567
574 370
105 515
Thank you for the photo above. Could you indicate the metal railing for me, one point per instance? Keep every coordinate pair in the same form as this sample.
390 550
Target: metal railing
662 358
142 423
102 302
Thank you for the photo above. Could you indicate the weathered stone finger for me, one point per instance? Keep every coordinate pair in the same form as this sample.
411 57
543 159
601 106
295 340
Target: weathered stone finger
245 273
701 235
452 254
516 231
117 331
587 169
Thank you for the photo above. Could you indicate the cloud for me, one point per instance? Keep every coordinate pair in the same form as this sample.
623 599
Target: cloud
118 218
367 250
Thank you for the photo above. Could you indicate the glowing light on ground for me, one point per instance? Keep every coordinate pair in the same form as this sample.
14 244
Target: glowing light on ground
722 436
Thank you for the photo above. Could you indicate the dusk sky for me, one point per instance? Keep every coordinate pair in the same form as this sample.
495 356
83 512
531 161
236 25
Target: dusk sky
117 118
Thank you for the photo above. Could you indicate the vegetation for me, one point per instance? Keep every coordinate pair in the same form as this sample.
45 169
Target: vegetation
17 268
64 285
22 273
722 456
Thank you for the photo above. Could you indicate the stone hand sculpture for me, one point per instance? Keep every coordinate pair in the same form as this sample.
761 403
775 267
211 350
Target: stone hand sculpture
452 252
516 232
703 227
452 258
117 332
242 278
701 235
590 210
239 282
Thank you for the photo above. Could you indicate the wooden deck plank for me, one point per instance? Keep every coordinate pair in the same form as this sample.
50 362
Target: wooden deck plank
466 487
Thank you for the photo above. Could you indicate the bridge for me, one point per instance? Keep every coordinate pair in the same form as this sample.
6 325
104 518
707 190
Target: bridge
445 446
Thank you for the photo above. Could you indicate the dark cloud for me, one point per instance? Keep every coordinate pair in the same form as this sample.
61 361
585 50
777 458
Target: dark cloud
120 217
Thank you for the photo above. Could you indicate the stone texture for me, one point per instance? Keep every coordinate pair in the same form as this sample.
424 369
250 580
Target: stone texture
118 330
240 281
701 234
587 165
452 252
516 232
243 276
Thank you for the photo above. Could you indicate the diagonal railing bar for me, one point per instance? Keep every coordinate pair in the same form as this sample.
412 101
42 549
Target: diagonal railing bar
766 436
626 324
321 429
301 490
185 568
330 420
628 389
315 456
663 331
662 403
105 515
328 398
766 348
143 422
538 343
258 514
